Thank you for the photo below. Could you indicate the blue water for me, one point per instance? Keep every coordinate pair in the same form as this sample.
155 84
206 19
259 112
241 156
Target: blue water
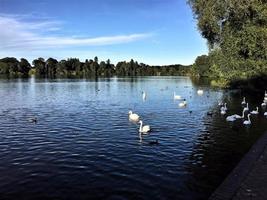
84 147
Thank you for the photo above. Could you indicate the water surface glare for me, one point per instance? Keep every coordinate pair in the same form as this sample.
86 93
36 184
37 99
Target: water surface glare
84 147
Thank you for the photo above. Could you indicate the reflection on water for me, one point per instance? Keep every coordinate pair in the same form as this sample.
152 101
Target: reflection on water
84 147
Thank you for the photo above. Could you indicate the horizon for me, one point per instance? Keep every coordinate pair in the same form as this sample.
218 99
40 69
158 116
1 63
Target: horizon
154 33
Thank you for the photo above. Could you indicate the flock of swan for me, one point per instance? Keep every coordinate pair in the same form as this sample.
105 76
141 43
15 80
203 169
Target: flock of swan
146 128
232 118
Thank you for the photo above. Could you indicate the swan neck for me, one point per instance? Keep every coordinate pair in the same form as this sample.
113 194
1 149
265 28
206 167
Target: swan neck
141 124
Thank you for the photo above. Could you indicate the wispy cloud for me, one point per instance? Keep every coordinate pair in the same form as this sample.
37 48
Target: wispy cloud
18 34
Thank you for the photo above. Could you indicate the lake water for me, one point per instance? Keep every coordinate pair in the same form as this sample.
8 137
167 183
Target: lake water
84 147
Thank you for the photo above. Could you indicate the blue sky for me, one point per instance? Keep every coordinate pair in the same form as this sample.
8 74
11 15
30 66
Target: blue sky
155 32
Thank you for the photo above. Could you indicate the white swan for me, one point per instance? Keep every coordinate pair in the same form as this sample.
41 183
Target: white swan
255 112
244 101
223 112
143 129
183 104
265 114
144 95
133 116
246 108
263 104
178 97
224 107
247 122
230 118
238 116
200 92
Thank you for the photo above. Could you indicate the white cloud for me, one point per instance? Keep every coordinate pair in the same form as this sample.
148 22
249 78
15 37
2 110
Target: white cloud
19 35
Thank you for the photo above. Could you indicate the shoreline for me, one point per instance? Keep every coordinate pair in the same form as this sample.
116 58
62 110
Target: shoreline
248 179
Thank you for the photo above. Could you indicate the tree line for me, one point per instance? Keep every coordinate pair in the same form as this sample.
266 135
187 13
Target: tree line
73 67
236 32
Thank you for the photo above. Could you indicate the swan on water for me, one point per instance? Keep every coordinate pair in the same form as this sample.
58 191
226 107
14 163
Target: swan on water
144 95
143 129
244 101
246 108
224 107
230 118
133 116
255 112
223 112
200 92
178 97
238 116
183 104
247 122
234 117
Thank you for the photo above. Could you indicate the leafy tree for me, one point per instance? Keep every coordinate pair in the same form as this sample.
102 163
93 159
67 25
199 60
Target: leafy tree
237 32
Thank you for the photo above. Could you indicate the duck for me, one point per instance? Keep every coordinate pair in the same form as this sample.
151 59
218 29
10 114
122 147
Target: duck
209 113
255 112
133 116
178 97
143 129
183 104
33 120
244 101
200 92
156 142
247 122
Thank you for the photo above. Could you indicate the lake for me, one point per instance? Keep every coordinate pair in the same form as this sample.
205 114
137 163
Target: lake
83 145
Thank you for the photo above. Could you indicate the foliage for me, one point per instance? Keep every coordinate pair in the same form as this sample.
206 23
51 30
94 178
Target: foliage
73 67
236 32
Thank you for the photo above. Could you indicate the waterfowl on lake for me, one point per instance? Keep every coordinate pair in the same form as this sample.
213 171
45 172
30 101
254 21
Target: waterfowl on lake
223 112
247 122
143 129
246 108
238 116
33 120
209 113
178 97
255 112
200 92
230 118
244 101
156 142
224 107
183 104
133 116
144 95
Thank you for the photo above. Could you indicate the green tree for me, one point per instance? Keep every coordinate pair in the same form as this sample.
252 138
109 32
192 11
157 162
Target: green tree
237 32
